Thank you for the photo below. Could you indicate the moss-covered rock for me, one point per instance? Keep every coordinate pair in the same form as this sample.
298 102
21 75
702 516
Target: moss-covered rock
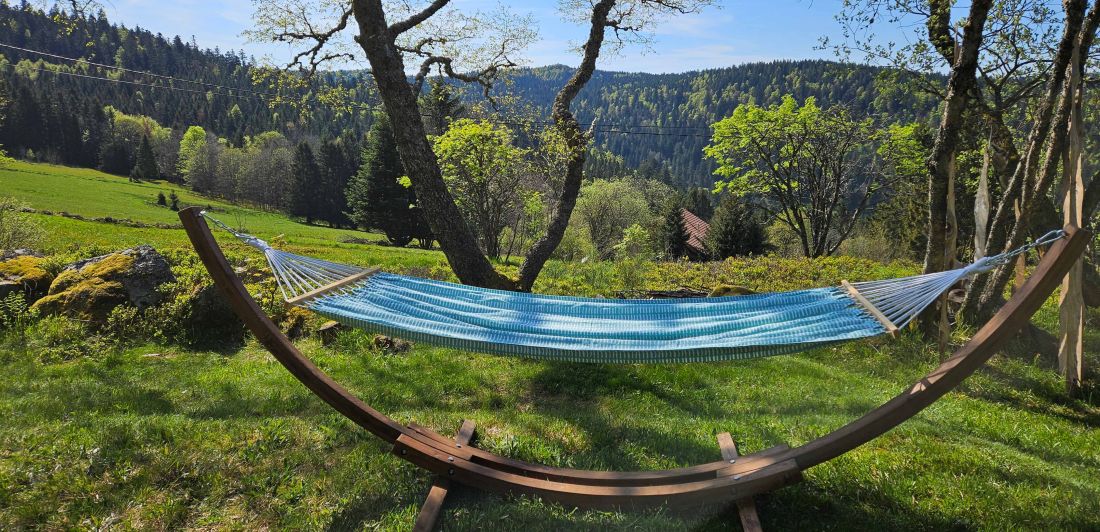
91 289
24 273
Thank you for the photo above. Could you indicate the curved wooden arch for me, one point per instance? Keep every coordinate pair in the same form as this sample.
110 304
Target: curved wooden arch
719 481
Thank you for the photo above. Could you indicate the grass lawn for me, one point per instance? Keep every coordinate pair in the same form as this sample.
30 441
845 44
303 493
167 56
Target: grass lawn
160 436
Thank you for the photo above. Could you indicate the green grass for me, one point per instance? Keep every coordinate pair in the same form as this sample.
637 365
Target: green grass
159 436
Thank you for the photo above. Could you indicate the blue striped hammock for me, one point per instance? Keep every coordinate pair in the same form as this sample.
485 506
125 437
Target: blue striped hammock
596 330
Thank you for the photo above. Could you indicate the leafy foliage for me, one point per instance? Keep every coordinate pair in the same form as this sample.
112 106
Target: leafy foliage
606 209
809 167
17 229
483 169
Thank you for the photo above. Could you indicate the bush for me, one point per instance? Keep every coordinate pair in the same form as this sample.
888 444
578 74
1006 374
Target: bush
575 244
17 228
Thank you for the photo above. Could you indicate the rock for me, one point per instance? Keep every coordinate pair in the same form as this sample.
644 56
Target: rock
327 332
90 289
391 345
15 253
24 273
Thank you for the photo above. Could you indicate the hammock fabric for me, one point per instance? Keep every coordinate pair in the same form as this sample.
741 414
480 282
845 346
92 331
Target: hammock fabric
608 330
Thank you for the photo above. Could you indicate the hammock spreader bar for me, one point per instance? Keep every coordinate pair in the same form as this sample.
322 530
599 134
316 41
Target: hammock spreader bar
609 330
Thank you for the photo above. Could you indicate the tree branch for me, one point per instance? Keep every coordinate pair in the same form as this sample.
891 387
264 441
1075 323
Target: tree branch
398 28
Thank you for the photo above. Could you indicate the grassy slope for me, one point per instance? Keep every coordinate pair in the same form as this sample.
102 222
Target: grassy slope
195 439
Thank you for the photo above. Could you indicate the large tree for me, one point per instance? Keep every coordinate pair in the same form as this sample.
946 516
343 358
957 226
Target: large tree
378 197
145 168
437 38
1008 61
305 176
809 166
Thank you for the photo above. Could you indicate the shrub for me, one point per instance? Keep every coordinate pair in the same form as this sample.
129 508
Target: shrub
636 243
575 244
17 228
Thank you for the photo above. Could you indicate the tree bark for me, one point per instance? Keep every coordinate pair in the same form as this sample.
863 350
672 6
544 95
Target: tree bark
976 306
1071 304
945 148
576 141
1034 182
388 68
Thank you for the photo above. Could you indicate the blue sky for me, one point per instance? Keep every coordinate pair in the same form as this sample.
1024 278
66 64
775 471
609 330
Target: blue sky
735 32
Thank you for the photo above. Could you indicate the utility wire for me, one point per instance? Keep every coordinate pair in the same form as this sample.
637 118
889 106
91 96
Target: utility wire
271 97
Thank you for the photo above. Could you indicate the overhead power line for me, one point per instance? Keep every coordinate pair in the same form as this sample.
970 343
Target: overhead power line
610 128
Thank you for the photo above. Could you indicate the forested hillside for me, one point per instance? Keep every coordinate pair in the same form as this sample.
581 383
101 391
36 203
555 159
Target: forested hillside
656 123
654 120
55 106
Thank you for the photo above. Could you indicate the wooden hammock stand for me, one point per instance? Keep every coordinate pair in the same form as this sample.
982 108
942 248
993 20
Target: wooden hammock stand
734 478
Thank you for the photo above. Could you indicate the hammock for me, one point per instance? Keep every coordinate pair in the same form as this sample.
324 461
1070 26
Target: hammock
608 330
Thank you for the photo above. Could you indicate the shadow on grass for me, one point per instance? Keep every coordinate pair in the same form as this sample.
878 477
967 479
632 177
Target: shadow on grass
1083 411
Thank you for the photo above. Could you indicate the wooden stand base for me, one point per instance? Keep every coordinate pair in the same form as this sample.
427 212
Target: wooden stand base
746 507
428 518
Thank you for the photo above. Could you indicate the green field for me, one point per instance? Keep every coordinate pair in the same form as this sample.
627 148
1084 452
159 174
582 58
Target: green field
145 434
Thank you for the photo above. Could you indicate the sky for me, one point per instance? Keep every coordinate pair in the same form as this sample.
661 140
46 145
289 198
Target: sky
733 32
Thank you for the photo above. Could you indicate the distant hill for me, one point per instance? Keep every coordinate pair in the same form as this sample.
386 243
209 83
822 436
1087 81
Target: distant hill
657 123
670 114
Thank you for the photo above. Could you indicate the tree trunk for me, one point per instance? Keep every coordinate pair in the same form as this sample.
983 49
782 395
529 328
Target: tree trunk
577 142
1080 32
387 66
945 148
976 307
1071 305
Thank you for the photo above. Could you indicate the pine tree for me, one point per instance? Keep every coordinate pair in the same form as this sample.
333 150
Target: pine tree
145 168
673 234
440 106
699 202
377 199
306 174
735 231
336 170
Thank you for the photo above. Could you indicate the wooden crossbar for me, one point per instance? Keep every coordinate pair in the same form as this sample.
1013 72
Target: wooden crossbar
429 513
332 287
891 329
746 507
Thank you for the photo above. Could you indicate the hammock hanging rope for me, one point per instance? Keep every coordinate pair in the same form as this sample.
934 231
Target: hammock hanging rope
608 330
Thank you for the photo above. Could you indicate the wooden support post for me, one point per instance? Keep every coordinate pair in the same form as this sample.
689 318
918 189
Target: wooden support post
746 507
1071 305
433 504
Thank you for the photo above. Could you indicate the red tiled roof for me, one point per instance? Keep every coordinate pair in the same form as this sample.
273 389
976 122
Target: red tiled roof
696 229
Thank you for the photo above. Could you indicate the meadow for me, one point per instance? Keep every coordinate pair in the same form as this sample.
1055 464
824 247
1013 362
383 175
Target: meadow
140 433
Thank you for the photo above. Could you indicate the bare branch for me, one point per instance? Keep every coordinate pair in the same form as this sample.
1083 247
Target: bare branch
405 25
